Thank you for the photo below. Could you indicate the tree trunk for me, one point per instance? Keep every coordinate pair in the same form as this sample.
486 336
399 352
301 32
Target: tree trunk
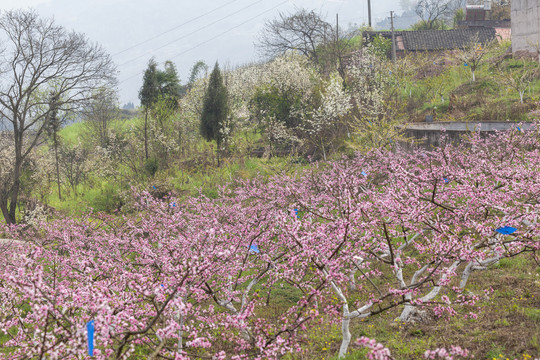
345 332
55 141
11 218
5 212
146 134
180 346
218 150
410 310
14 193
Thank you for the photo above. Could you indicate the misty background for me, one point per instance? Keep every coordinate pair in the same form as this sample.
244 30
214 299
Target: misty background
133 31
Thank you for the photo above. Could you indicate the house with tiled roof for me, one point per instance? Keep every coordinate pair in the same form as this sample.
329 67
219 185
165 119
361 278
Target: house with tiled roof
435 40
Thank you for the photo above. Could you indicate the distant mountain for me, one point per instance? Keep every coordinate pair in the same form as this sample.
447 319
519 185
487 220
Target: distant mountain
128 106
401 22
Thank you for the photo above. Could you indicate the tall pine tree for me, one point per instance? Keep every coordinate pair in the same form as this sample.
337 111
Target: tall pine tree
215 110
149 94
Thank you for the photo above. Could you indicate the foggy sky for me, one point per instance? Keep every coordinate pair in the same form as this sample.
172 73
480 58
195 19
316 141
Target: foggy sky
119 25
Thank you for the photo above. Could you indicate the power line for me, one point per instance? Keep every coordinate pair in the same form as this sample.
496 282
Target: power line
213 38
174 28
229 30
191 33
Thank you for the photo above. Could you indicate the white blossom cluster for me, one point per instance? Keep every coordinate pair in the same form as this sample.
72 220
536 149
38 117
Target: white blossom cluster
320 107
323 102
191 105
241 84
104 160
7 162
162 139
335 103
290 73
36 216
368 77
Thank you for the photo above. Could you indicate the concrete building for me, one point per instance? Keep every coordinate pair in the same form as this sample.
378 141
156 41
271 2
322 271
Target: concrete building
525 26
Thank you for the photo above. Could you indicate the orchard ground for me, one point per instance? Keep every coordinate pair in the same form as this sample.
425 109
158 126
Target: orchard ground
392 235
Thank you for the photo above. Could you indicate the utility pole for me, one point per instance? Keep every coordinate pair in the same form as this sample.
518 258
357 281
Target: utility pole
369 12
338 50
393 36
337 27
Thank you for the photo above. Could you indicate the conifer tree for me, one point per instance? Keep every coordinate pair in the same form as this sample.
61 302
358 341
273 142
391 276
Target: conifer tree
158 86
148 94
215 110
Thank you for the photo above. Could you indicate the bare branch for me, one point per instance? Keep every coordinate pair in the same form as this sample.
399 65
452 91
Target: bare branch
300 32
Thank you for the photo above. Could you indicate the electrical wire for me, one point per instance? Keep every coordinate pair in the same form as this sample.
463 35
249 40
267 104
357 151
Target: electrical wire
174 28
191 33
229 30
213 38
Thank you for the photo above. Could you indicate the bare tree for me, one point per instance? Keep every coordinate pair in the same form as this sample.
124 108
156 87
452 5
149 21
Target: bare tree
473 54
302 31
335 52
519 78
98 114
73 161
500 10
41 57
433 12
455 5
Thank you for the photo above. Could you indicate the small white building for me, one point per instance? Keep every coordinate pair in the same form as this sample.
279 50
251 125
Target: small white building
525 16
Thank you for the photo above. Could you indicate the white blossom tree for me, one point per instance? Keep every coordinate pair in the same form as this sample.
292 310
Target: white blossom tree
328 121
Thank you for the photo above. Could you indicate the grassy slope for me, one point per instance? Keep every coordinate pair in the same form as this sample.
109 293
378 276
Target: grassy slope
450 94
187 177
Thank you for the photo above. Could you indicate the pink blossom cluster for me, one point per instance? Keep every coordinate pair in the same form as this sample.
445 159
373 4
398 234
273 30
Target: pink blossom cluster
455 352
396 229
377 350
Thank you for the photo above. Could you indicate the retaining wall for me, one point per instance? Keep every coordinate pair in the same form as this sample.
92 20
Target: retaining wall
428 135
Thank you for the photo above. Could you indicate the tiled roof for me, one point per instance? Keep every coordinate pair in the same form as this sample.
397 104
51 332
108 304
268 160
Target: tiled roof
429 40
445 39
485 23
